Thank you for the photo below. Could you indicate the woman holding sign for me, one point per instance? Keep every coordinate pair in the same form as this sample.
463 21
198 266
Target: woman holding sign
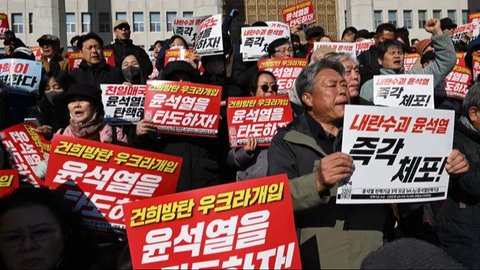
250 161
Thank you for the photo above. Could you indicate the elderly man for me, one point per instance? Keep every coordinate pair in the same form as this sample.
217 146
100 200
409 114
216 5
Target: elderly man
308 151
124 46
52 59
93 67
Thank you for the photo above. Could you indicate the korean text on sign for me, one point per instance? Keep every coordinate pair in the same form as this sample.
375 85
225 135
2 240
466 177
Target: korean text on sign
25 150
407 148
301 13
98 178
403 90
208 40
24 75
3 25
458 80
123 103
256 116
183 108
8 182
285 71
246 225
255 41
187 27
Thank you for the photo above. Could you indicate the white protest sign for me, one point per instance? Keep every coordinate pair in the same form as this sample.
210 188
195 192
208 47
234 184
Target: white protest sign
208 40
462 30
187 27
123 103
403 90
339 47
286 28
363 46
24 75
255 41
399 154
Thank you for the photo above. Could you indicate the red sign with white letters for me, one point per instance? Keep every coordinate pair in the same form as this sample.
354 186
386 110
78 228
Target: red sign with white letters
75 58
286 71
3 25
8 182
458 80
301 13
243 225
256 116
25 150
98 178
183 108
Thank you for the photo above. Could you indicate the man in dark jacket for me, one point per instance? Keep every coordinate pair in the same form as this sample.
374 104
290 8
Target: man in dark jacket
124 46
93 67
368 60
459 222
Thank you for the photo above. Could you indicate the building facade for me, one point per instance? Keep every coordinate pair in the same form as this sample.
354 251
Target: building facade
412 14
150 20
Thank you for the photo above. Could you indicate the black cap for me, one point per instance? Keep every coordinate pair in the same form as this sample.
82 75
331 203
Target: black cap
87 91
447 23
180 66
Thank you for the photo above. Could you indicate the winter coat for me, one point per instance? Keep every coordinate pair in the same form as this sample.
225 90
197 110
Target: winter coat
105 134
98 74
458 225
330 235
48 66
248 166
122 49
445 60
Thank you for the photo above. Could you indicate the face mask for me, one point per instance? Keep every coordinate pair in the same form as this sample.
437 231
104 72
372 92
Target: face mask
53 97
131 73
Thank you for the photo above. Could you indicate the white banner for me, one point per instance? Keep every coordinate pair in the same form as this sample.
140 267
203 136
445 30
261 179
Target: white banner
339 47
286 28
187 27
463 29
363 46
208 40
123 103
399 154
255 41
403 90
23 75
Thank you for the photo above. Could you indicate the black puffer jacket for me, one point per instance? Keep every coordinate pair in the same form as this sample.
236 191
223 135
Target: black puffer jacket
98 74
120 50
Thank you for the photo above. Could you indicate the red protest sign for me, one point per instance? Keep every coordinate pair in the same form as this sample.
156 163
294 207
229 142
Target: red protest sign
183 108
3 25
177 54
286 71
8 182
301 13
458 80
37 51
243 225
25 150
75 58
410 60
256 116
98 178
475 66
474 17
109 57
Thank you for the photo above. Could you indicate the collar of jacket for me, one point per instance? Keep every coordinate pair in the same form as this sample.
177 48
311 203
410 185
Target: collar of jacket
387 71
298 132
84 64
470 131
123 43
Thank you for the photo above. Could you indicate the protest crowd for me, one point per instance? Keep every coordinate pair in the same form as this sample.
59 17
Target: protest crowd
105 125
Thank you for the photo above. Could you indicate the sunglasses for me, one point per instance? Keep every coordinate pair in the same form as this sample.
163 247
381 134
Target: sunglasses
123 28
265 87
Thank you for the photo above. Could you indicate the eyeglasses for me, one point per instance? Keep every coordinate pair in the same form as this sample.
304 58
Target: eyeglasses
284 50
13 240
124 27
265 87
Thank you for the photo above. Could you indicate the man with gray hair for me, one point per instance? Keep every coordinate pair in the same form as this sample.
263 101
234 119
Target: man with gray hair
308 151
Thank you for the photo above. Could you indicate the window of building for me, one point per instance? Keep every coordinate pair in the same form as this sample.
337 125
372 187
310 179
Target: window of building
452 14
464 16
377 16
187 14
154 21
437 13
86 22
30 23
392 17
17 23
170 17
407 19
104 22
121 16
138 22
422 18
70 21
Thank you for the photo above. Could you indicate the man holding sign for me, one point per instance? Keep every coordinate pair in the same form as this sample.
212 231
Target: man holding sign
331 235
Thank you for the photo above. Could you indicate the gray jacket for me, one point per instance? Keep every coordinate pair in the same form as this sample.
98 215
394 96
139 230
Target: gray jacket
248 166
445 60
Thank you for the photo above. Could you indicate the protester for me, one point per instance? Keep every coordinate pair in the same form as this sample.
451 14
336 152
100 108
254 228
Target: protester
473 49
391 57
51 58
74 43
250 161
348 34
38 230
157 46
402 35
123 46
368 60
51 111
131 70
93 67
352 73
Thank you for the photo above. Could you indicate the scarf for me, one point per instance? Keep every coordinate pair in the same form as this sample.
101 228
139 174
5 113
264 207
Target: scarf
88 129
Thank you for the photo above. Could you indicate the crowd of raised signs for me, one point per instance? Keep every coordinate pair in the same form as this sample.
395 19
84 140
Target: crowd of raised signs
94 140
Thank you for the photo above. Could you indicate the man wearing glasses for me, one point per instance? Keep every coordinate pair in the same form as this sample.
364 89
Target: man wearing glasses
124 46
280 48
